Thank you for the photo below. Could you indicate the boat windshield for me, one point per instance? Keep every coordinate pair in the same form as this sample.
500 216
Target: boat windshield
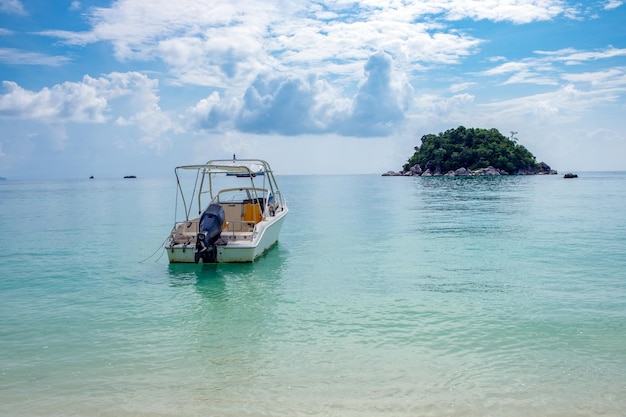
239 195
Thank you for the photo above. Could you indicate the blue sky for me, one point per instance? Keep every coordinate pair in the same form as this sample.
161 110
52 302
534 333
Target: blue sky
112 88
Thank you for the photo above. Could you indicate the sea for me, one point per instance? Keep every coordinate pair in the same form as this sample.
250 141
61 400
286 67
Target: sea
385 296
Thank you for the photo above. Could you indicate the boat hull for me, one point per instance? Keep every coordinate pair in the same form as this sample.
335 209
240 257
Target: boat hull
235 251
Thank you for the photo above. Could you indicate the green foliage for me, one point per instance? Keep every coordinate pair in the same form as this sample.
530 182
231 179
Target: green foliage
472 149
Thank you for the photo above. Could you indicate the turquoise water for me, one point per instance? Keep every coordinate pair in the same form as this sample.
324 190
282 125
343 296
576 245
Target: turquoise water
385 296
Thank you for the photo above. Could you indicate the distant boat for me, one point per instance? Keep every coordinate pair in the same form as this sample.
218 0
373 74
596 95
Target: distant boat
570 175
91 177
238 224
130 176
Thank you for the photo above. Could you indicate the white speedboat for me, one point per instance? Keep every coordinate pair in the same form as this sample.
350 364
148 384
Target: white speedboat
240 211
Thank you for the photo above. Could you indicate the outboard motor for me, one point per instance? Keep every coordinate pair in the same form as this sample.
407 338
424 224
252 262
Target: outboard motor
211 223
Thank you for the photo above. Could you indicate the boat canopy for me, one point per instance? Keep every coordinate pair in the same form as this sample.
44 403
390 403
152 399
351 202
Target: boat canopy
237 166
249 168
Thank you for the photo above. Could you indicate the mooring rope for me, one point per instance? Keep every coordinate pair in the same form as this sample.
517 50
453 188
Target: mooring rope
154 253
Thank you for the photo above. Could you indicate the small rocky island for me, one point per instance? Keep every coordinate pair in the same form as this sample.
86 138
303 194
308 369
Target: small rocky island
465 152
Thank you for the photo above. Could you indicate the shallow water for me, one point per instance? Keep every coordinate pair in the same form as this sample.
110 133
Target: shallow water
384 296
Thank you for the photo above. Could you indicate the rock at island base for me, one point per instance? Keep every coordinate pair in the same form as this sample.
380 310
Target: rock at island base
416 171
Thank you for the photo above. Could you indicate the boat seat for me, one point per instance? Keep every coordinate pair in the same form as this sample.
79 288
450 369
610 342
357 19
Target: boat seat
252 213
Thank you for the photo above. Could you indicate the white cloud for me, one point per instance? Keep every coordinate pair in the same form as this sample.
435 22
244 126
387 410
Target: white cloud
124 105
13 56
92 100
455 88
289 105
230 43
278 105
508 10
544 70
12 7
613 4
435 111
562 106
573 56
613 78
379 104
136 28
507 67
71 38
140 92
530 77
318 44
67 101
226 60
528 71
207 114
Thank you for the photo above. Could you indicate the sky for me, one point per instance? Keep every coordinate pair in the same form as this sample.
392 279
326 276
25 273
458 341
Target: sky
135 87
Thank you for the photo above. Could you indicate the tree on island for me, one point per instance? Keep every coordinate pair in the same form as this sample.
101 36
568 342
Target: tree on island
473 149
